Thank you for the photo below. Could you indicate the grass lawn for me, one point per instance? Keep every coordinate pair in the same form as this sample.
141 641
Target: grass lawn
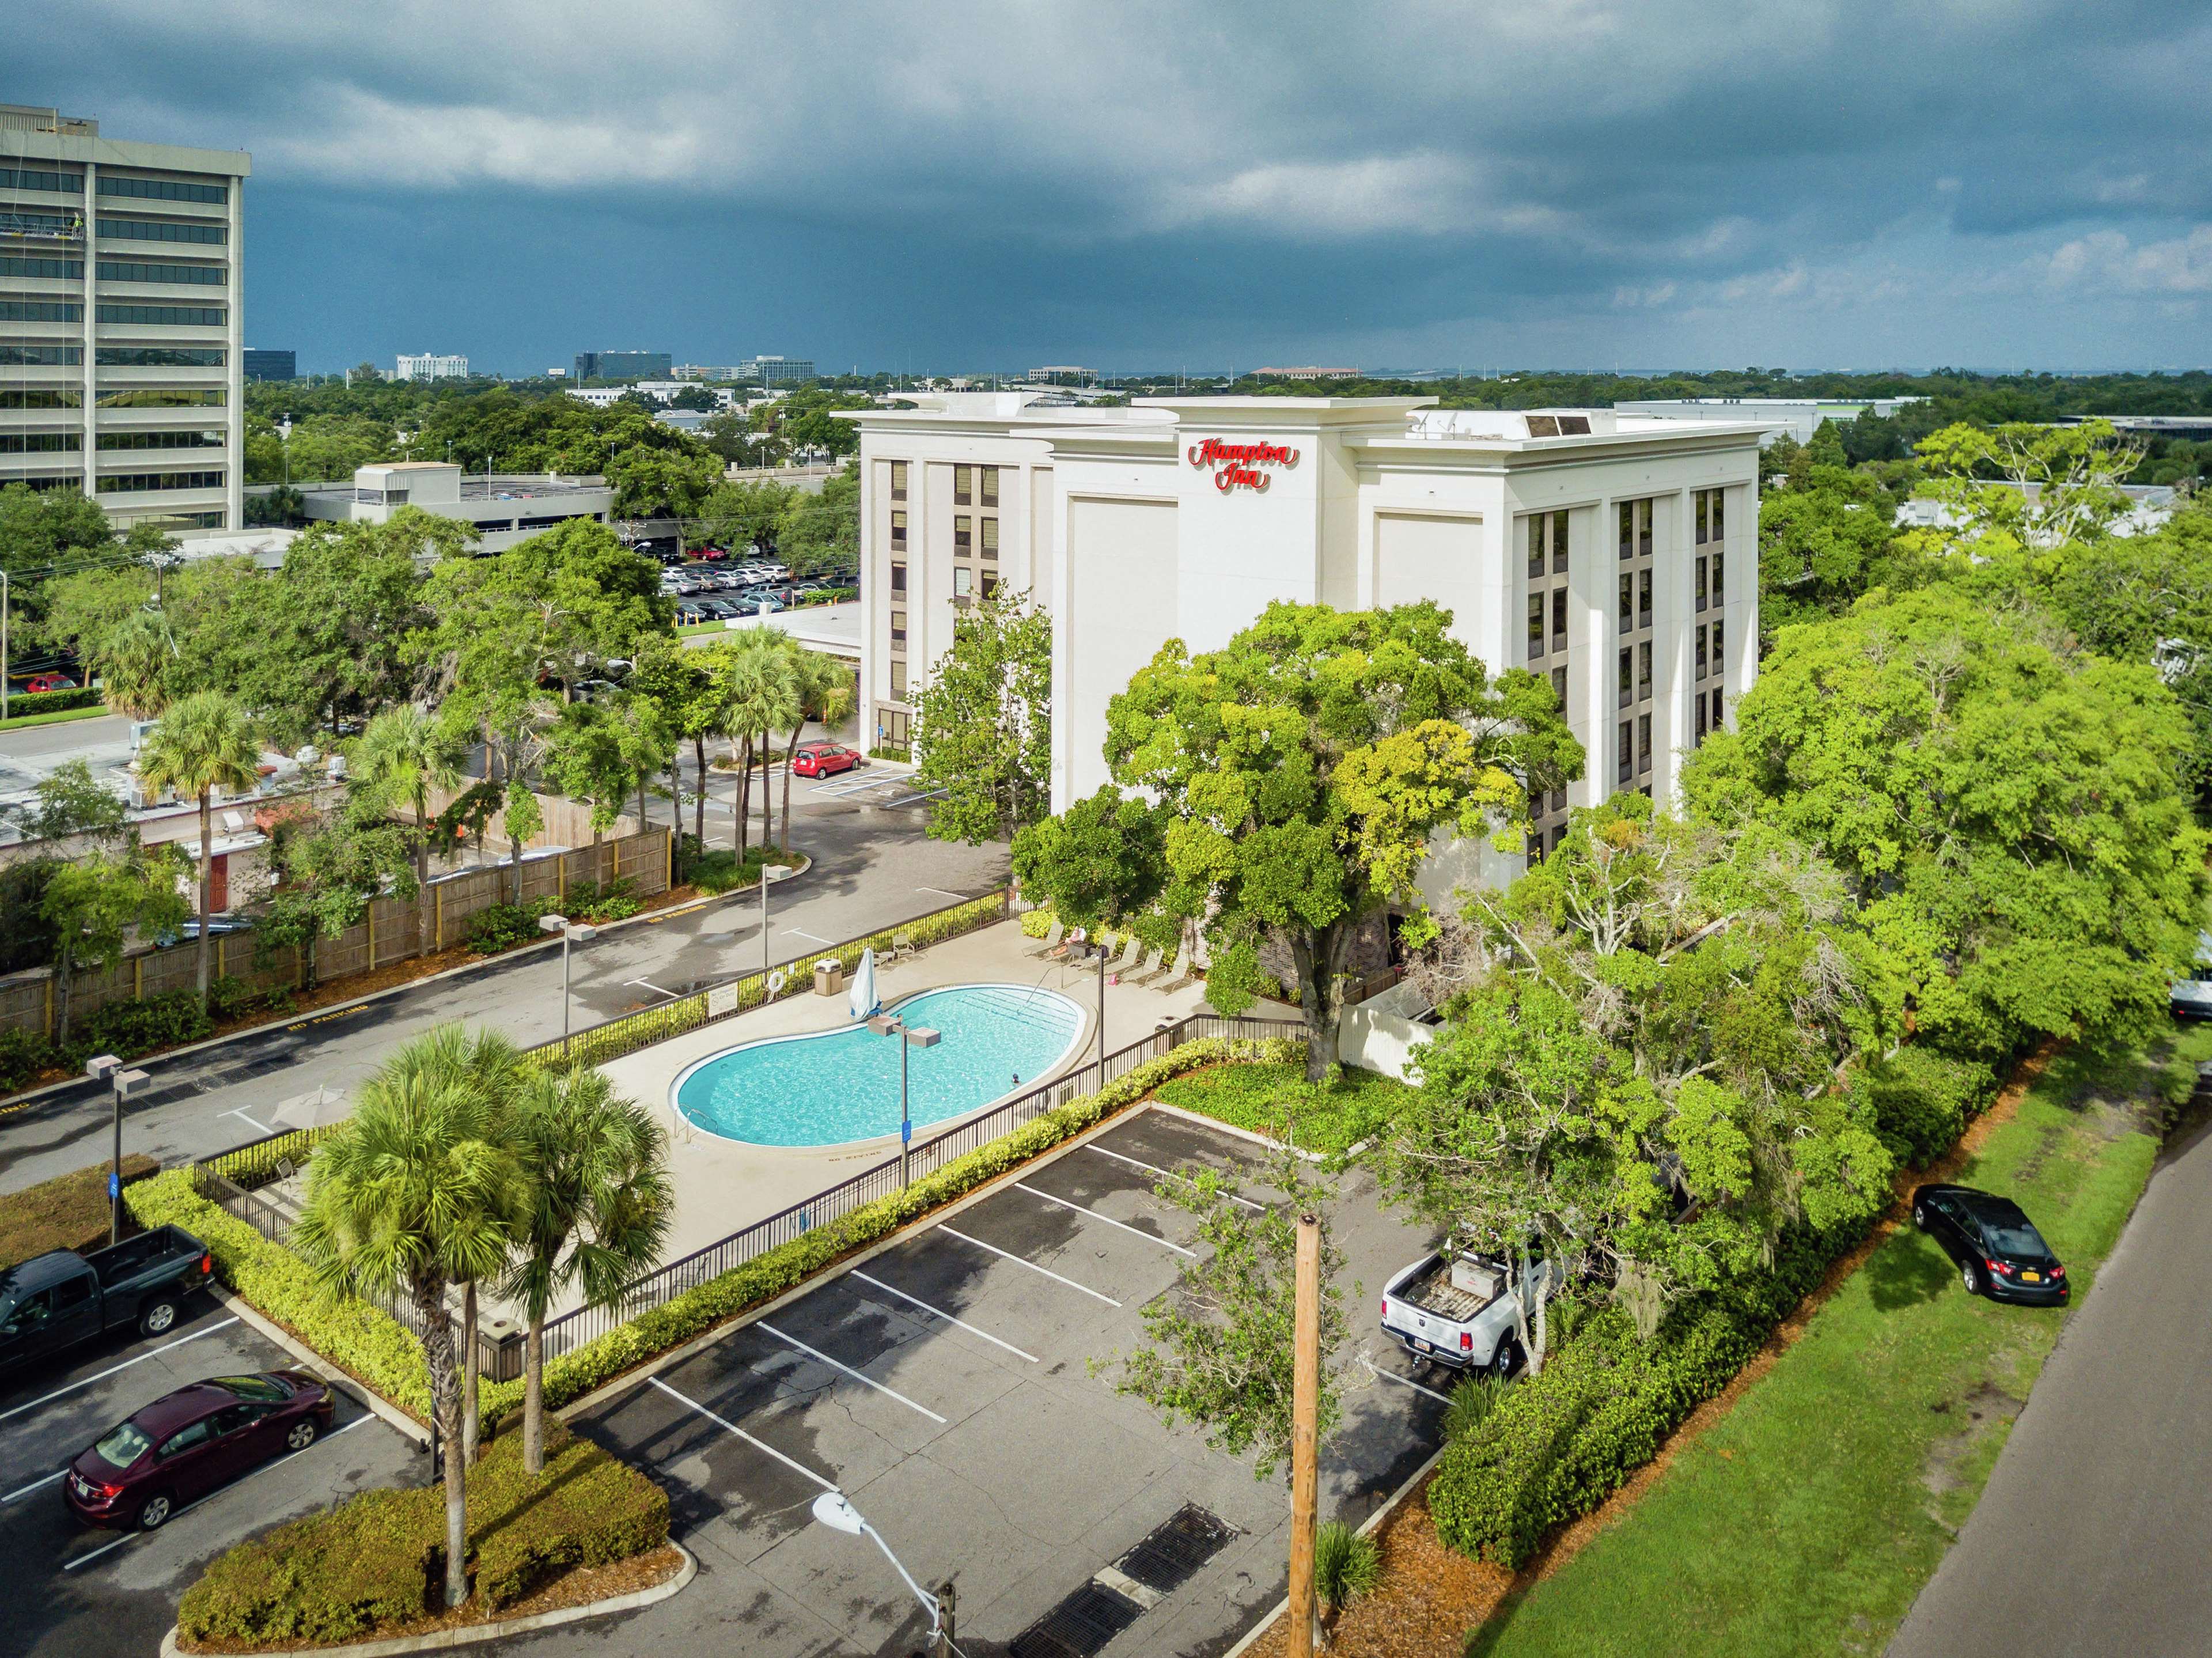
23 722
69 1211
1266 1098
1807 1520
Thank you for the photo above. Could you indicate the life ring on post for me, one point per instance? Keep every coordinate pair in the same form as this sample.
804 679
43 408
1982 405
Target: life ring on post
776 983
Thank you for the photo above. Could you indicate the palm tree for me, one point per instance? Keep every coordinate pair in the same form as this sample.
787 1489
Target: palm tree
412 1194
403 756
599 1206
826 695
204 742
755 691
133 662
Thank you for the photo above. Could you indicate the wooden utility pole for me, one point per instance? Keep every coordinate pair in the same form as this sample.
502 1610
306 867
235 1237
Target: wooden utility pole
1305 1410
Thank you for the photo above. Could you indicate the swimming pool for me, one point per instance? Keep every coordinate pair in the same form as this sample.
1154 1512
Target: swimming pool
839 1085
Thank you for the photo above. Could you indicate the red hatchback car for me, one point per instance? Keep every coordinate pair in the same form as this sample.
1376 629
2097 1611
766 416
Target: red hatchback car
50 682
181 1446
824 760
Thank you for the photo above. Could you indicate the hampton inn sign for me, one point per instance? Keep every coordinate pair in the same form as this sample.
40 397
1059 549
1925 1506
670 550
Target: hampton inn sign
1236 465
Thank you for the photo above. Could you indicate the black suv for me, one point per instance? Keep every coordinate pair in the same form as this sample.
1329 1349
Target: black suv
1999 1252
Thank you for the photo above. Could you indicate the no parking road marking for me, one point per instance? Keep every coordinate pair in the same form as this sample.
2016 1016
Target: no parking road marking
1133 1231
796 1467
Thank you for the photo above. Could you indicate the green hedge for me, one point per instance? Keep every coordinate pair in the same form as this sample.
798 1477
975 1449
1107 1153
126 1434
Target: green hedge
23 704
23 1055
371 1562
1558 1444
380 1353
129 1028
1922 1101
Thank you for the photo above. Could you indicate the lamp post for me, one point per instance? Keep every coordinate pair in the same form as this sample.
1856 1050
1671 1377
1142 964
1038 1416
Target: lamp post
572 932
909 1036
775 872
109 1069
833 1510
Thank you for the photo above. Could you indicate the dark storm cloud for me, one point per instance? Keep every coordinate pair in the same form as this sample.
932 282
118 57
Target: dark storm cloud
982 183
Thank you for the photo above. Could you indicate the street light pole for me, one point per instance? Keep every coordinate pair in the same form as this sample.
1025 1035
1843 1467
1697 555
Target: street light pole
767 870
572 932
124 1084
833 1510
909 1036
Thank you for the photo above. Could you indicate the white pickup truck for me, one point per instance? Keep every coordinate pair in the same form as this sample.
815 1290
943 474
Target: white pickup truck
1457 1309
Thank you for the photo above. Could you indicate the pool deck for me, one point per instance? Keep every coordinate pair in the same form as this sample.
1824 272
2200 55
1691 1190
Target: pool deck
722 1186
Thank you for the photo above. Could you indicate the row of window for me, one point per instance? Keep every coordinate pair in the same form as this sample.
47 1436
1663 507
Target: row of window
162 396
1547 544
162 190
161 356
1556 606
40 443
139 483
29 178
1714 655
160 230
975 486
1635 529
1634 600
51 270
1708 505
166 316
964 534
1718 584
1708 712
1635 674
43 224
1635 747
39 311
898 485
49 356
199 439
130 270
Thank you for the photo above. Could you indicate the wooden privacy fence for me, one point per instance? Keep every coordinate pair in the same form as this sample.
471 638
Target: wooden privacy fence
391 931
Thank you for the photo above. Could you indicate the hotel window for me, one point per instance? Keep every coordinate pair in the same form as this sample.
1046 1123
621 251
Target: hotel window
898 627
898 679
1627 604
1701 650
1627 677
898 480
1558 618
1635 529
1560 690
1701 583
898 532
898 578
1547 542
1644 672
964 486
963 534
990 483
1716 649
1644 598
1717 709
990 532
1536 625
1717 583
990 583
1644 742
1627 767
1701 720
963 582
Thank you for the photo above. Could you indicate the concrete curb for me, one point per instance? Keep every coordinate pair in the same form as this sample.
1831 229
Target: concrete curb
487 967
471 1635
311 1360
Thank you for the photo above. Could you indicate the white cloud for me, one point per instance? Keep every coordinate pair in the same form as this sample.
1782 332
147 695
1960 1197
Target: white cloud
2108 259
1424 193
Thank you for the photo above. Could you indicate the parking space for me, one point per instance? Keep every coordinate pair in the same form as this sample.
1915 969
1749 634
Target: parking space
958 1388
77 1590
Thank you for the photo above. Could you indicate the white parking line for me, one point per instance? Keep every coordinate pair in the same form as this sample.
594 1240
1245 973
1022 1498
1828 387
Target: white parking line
135 1536
36 1484
1133 1231
114 1369
241 1113
1408 1382
1166 1174
1094 1294
867 1381
816 937
936 1312
960 897
796 1467
652 987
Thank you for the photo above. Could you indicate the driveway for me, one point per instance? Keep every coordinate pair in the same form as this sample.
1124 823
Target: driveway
874 867
2091 1538
77 1591
946 1386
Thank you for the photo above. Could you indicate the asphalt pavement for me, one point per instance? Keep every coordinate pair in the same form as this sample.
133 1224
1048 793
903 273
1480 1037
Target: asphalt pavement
74 1591
873 868
2092 1536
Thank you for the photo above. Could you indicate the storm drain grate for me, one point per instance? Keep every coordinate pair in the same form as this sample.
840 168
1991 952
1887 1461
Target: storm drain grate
1078 1627
1171 1556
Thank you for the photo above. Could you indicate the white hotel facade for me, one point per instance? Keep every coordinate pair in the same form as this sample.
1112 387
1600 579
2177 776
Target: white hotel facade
1614 553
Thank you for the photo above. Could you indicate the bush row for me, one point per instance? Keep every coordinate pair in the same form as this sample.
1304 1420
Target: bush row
130 1029
377 1351
1922 1101
1558 1444
371 1562
21 705
23 1054
502 926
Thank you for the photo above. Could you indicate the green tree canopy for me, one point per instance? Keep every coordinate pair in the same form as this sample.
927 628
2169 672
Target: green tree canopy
984 722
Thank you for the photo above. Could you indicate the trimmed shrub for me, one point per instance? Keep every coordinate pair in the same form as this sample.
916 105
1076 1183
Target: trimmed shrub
21 705
617 901
1922 1101
231 997
368 1563
720 870
501 926
1345 1564
23 1054
1037 923
128 1029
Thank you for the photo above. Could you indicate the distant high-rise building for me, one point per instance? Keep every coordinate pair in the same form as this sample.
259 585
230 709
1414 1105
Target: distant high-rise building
623 365
430 367
272 365
699 371
775 371
121 339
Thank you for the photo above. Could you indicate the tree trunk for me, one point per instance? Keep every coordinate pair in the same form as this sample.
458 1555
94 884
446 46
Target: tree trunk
423 894
207 862
768 796
1318 956
643 822
699 806
470 1414
533 1396
790 754
743 802
446 1405
514 867
64 978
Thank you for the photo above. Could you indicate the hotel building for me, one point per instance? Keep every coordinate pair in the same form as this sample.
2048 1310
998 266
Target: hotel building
121 355
1613 554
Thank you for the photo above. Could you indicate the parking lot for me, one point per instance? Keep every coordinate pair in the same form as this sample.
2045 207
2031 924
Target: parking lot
75 1590
948 1386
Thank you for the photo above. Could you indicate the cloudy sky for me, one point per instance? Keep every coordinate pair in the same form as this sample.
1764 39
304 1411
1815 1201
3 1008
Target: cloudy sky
989 185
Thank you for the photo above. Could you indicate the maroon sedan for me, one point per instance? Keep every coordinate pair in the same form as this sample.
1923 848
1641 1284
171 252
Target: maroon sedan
184 1444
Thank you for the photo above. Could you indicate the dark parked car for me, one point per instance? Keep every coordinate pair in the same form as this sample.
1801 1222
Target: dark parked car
1999 1252
52 1301
184 1444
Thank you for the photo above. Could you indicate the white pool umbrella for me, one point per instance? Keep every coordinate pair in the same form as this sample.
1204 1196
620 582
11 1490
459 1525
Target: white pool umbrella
860 1001
311 1109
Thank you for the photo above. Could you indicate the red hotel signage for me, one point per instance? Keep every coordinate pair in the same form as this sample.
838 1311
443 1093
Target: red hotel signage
1236 465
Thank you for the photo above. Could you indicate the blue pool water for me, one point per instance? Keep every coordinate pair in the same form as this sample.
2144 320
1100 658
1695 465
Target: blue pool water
840 1085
